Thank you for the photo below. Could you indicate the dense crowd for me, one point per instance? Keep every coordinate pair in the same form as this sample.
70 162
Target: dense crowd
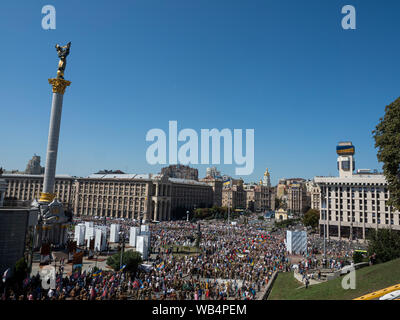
229 262
336 249
233 263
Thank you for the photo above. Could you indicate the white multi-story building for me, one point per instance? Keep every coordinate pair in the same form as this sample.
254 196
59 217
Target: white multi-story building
315 194
354 203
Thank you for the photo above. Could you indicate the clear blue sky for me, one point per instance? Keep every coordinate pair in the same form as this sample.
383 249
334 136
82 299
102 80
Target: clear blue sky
285 68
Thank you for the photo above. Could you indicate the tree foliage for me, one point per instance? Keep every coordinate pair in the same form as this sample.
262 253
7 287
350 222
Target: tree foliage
311 218
357 257
214 213
385 243
130 258
387 140
286 223
20 270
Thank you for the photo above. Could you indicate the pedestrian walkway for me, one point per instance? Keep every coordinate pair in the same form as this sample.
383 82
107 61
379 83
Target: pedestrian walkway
299 277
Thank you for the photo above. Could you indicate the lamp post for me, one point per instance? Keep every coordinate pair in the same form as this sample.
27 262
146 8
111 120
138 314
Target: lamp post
122 243
351 230
229 212
325 240
96 253
187 216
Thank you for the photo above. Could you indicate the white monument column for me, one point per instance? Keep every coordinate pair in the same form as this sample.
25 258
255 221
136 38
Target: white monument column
59 86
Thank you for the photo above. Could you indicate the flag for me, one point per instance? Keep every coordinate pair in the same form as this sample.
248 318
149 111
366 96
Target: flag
123 267
160 266
26 281
6 274
96 274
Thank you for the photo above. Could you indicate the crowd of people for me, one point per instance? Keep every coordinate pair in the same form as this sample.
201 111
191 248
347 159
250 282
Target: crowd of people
233 262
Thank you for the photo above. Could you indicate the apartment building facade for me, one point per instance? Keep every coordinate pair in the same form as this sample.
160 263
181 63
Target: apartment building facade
354 203
146 196
27 187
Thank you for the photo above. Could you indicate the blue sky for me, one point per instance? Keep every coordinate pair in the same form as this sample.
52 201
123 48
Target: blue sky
284 68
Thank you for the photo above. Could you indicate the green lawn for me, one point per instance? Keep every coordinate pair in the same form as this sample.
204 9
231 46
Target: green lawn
368 279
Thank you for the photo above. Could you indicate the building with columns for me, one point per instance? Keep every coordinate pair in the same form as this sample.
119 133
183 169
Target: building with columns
259 198
354 203
234 196
216 185
188 195
134 196
114 195
315 193
297 197
3 189
27 187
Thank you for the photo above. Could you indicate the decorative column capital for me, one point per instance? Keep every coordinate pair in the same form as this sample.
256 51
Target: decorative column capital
59 85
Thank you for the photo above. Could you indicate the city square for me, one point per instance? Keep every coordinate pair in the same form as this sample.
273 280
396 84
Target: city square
281 182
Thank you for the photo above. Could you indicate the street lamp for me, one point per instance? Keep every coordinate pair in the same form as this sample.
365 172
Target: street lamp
325 237
229 212
122 243
187 216
96 253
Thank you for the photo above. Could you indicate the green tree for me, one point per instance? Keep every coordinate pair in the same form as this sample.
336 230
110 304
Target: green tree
385 243
260 218
286 223
387 140
130 258
198 239
311 218
357 257
20 270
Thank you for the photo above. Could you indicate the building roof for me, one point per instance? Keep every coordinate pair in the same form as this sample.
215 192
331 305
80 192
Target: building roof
187 181
132 176
22 175
355 178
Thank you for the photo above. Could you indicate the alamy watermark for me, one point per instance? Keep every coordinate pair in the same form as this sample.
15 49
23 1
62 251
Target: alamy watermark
349 280
189 152
349 20
49 20
48 277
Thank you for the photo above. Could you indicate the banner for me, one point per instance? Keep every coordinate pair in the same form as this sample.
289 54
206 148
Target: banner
77 258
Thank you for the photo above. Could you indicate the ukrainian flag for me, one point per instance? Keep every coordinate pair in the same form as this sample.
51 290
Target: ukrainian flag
227 182
97 274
